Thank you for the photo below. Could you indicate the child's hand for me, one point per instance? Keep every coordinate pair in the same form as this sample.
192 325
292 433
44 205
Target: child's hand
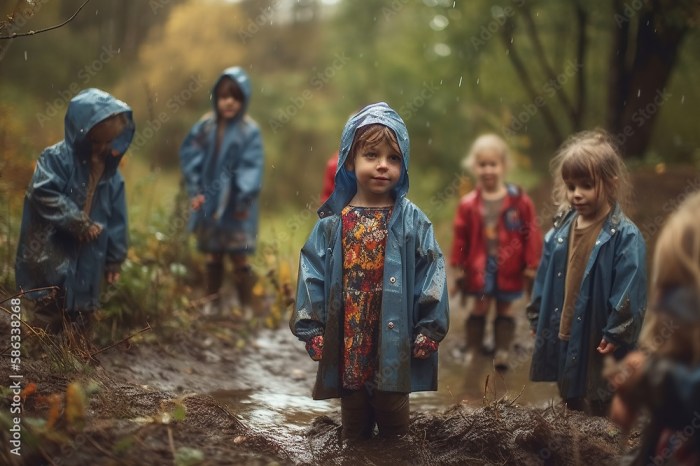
605 347
424 346
197 201
315 347
621 413
92 232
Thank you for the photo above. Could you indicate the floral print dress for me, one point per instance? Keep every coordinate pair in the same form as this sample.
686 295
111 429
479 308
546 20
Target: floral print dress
364 240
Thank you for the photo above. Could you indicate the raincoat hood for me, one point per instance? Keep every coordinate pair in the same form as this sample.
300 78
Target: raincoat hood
345 181
87 109
240 77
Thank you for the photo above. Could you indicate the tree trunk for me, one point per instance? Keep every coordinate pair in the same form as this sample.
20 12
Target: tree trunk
637 86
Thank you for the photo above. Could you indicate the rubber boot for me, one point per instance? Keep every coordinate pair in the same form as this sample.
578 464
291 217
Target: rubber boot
215 277
475 327
504 330
244 280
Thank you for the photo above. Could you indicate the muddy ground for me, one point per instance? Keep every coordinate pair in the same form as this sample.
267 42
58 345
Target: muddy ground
207 397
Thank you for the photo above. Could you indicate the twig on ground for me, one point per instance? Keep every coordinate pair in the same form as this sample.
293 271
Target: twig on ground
147 328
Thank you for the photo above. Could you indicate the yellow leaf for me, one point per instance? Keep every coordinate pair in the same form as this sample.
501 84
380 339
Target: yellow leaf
76 405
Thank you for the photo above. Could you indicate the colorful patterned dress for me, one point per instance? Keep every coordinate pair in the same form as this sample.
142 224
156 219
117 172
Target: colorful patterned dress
364 240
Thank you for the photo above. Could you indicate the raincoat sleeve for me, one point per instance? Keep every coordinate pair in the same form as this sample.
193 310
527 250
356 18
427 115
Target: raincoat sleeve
309 316
45 193
431 303
627 302
532 234
533 307
249 171
192 153
117 225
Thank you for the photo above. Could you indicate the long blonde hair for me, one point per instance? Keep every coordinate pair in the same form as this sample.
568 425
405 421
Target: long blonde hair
590 155
676 276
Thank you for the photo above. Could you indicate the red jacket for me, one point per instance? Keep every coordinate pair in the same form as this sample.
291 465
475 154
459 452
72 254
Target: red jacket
519 240
329 177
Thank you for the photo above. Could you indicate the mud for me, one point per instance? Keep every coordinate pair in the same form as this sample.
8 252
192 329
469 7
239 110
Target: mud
225 392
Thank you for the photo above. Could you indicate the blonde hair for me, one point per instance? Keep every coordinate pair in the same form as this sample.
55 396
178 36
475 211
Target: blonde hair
590 155
676 268
487 142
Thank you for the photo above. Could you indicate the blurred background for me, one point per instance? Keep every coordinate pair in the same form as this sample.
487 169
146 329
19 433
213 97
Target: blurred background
531 71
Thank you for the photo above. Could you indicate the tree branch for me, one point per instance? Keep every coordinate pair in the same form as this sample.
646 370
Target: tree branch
521 70
51 28
542 60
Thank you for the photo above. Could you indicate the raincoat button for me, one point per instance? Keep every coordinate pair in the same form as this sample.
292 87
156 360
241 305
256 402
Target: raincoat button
392 279
558 274
390 325
556 309
578 318
612 230
560 240
321 214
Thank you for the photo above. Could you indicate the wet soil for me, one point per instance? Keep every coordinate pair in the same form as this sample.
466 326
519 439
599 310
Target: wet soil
207 397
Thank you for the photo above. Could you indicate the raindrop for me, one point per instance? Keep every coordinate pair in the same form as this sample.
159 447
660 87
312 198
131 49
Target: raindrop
477 81
460 82
25 55
119 50
430 141
639 92
682 99
311 148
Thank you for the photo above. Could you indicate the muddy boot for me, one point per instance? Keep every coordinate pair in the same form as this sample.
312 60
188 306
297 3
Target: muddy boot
504 330
215 277
244 280
475 326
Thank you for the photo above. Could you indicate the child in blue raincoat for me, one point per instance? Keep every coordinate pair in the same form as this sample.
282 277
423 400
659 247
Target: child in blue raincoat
372 300
222 164
74 222
663 377
589 296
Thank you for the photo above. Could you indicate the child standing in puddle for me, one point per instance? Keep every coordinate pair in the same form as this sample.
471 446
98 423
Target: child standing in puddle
589 296
372 298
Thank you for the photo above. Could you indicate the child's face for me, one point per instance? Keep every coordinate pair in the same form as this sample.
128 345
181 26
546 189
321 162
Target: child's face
378 170
102 134
489 169
586 197
227 105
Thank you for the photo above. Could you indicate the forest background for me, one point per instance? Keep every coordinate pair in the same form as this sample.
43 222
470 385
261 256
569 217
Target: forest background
532 71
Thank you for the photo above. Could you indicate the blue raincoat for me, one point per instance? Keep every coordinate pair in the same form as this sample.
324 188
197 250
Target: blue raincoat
230 180
611 304
49 251
414 287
